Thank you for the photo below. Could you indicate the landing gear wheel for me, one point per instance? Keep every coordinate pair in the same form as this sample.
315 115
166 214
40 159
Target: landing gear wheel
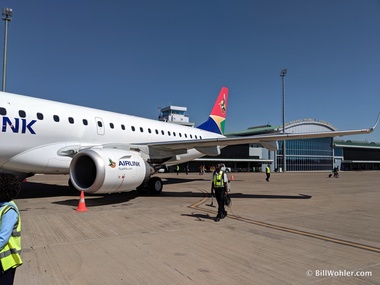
155 185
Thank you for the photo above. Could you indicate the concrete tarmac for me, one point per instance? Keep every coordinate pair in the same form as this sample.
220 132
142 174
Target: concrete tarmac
299 228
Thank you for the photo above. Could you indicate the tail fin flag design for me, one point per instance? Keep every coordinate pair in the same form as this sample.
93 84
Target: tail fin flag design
217 118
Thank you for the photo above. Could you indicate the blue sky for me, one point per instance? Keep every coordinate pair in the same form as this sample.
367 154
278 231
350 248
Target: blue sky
136 56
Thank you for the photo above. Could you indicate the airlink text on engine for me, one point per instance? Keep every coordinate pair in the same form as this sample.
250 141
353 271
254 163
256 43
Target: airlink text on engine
129 163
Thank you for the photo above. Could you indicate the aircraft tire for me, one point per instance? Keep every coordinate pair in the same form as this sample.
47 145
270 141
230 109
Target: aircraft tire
155 185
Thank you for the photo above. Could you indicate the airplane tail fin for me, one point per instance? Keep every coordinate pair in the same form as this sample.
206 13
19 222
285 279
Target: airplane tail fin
217 118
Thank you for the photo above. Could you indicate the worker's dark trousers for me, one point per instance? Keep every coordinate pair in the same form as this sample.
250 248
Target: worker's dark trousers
7 277
219 195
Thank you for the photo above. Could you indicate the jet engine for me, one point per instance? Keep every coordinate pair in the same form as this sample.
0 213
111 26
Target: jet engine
109 171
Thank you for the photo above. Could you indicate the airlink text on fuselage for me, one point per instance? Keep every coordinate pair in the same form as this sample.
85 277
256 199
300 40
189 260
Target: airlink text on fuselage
15 127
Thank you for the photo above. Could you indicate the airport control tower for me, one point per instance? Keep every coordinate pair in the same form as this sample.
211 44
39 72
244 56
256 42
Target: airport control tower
176 115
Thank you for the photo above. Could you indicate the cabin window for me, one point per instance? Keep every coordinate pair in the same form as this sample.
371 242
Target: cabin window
149 130
196 136
162 132
56 118
123 127
71 120
3 111
180 135
100 124
191 136
141 129
22 114
40 116
185 135
174 134
85 122
169 133
156 132
133 128
111 125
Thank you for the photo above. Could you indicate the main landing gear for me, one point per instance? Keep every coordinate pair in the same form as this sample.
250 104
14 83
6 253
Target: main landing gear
153 186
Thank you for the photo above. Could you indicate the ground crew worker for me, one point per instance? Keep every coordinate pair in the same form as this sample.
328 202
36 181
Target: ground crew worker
267 171
219 185
10 228
177 169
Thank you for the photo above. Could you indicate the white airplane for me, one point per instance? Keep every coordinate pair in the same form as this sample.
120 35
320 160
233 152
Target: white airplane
106 152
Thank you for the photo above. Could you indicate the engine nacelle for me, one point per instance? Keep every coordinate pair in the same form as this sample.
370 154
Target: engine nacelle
108 170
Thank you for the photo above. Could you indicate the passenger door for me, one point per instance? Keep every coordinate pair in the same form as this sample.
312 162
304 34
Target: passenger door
99 126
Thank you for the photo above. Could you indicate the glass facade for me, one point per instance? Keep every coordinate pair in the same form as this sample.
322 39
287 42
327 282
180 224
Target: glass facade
361 158
306 155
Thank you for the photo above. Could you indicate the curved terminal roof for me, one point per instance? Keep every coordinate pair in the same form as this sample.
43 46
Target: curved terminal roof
297 126
308 126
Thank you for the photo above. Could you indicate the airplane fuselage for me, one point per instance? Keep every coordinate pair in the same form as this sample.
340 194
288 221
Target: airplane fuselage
37 135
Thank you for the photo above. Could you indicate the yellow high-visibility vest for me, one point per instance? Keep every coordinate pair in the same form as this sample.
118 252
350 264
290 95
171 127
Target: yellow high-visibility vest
10 253
219 180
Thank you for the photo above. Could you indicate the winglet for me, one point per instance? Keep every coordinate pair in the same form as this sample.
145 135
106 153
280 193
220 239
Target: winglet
217 118
377 121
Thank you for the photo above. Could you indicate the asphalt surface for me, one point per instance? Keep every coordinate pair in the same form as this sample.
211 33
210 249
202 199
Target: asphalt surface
299 228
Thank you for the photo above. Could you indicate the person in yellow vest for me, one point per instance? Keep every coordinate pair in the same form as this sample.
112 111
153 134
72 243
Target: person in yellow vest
10 228
220 186
267 171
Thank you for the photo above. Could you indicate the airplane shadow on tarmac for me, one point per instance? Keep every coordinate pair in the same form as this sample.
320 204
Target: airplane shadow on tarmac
236 195
40 190
32 190
232 195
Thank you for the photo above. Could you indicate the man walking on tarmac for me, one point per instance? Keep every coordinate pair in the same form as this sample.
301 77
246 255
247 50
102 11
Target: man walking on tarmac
220 186
267 171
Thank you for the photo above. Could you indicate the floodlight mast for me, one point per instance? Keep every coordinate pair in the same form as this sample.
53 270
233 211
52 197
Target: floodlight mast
7 17
282 74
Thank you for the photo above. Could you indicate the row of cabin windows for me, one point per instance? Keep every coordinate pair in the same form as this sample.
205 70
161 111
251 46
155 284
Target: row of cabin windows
162 132
56 118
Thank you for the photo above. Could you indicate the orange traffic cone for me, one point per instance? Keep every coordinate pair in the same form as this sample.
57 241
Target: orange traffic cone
82 203
232 178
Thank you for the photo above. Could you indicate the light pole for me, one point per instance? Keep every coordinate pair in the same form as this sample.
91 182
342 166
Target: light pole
283 73
7 17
